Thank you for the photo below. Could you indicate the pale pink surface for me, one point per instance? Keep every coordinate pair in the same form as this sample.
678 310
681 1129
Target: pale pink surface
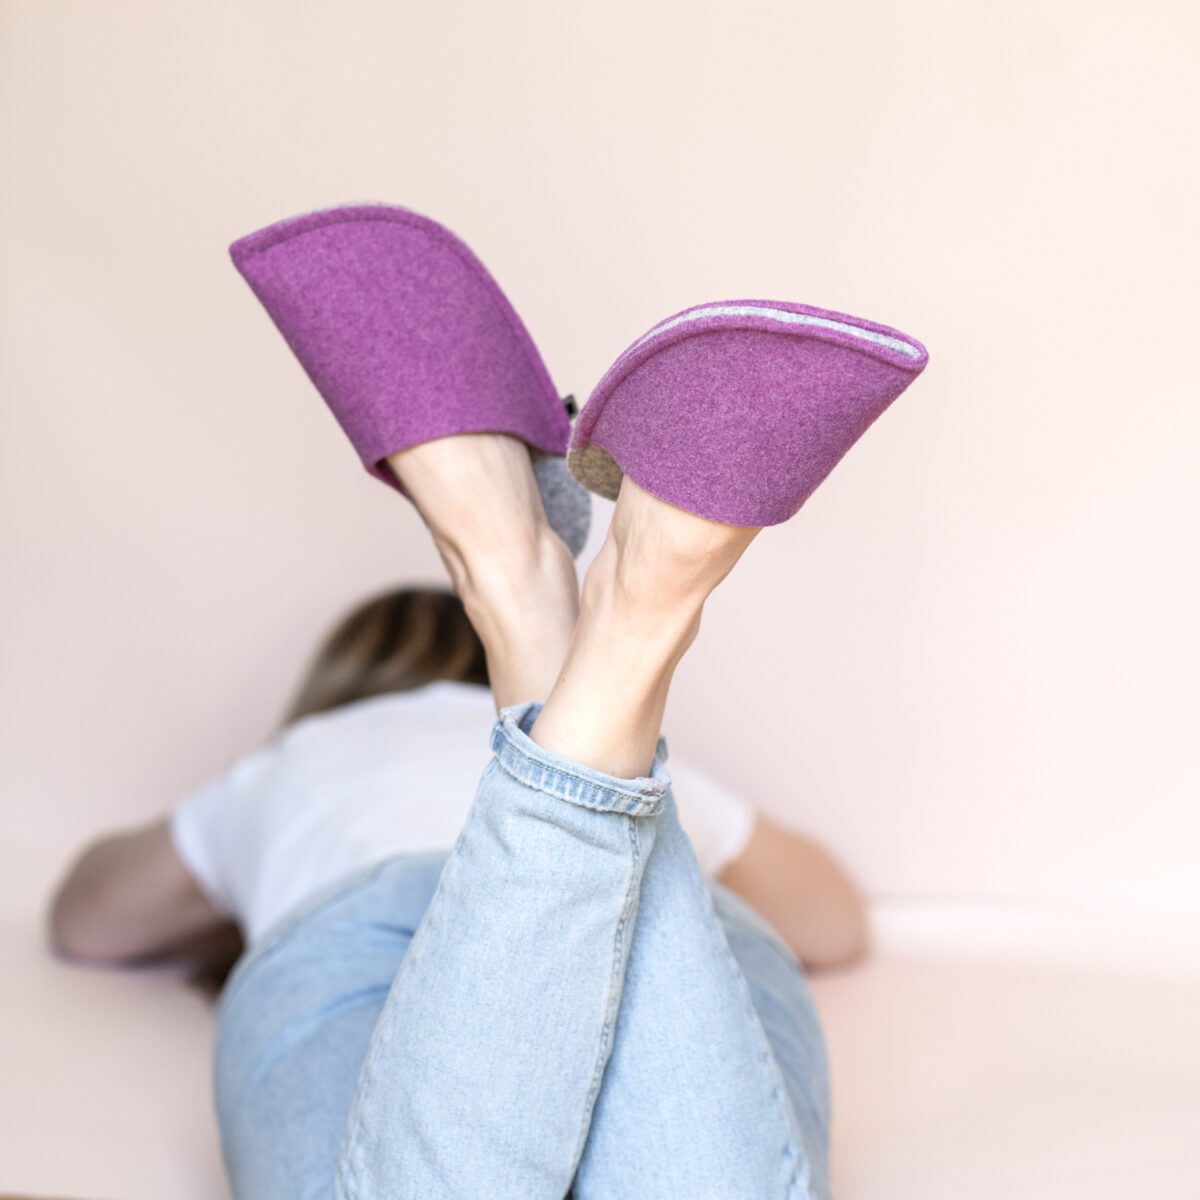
952 1079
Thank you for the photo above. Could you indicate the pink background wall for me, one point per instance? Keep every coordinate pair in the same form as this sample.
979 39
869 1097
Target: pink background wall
971 664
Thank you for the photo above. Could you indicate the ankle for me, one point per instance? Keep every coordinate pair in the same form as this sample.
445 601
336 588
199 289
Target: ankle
526 569
657 611
606 707
522 598
667 554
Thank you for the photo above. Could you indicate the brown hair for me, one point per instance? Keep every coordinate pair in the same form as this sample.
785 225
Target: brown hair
395 642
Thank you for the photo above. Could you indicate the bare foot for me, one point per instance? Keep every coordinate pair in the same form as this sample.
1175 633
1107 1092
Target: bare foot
641 608
477 494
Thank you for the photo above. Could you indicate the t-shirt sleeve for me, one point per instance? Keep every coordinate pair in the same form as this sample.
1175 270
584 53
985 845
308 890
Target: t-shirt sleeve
717 820
207 830
195 824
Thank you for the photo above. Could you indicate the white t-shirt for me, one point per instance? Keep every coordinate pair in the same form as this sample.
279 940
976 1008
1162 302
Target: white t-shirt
395 774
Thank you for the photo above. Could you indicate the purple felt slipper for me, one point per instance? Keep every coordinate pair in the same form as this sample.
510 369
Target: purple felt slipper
738 409
408 338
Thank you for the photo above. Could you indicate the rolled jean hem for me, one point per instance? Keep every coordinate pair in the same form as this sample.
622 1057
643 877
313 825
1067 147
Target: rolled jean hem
554 775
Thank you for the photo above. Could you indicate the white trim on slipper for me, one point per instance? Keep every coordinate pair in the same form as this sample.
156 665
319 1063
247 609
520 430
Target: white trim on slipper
785 317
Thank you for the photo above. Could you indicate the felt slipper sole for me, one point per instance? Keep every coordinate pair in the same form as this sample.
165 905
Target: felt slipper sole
407 337
737 410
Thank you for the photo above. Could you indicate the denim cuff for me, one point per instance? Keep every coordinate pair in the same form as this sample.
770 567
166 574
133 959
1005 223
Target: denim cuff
539 768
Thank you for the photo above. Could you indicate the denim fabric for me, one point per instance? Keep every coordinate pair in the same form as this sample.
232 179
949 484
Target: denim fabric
558 1006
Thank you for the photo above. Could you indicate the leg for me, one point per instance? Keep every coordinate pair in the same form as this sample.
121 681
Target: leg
515 576
507 1000
487 1057
694 1101
294 1024
718 1074
642 602
330 1035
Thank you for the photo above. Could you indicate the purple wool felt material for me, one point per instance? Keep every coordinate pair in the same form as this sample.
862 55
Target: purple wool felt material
402 330
737 410
408 338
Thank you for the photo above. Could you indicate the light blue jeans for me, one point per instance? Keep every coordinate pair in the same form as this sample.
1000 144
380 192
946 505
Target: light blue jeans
559 1006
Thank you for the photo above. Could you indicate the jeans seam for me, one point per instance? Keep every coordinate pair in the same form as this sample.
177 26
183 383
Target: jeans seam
615 988
797 1186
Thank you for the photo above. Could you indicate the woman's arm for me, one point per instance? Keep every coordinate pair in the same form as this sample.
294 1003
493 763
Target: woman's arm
802 890
130 898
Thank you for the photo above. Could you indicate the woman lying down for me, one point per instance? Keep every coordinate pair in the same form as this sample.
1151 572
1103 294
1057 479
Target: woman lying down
319 853
496 943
